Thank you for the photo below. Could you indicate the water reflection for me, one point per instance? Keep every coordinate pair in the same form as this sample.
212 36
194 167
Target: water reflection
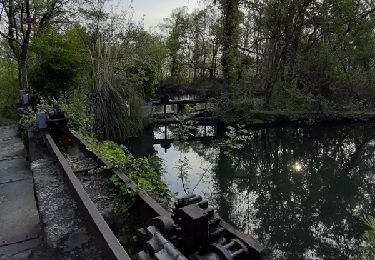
164 133
297 166
299 191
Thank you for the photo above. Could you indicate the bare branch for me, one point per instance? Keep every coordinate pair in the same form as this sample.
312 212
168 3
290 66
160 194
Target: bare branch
9 38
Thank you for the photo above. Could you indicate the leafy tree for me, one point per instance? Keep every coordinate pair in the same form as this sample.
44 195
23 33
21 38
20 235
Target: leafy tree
289 55
230 40
143 57
58 62
177 26
192 43
17 24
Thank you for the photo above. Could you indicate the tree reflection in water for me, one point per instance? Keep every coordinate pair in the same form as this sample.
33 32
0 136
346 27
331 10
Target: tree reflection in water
299 191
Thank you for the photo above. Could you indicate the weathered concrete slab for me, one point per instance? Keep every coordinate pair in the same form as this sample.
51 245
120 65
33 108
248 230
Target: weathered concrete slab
19 219
8 177
11 148
7 132
20 250
4 140
14 164
14 170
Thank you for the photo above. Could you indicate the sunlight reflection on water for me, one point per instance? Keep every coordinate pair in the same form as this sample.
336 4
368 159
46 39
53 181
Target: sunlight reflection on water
315 214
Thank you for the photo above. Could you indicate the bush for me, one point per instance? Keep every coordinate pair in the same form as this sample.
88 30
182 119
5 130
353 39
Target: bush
58 62
370 234
75 104
8 90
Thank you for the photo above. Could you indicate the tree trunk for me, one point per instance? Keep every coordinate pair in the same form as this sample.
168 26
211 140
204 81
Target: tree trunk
174 68
23 72
213 60
231 36
25 49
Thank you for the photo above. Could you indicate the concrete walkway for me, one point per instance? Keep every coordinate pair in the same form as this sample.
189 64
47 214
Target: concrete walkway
19 219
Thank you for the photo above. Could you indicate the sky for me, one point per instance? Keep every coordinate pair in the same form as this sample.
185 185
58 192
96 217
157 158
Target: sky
154 11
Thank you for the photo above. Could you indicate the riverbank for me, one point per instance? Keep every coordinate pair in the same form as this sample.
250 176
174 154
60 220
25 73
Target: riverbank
257 117
264 118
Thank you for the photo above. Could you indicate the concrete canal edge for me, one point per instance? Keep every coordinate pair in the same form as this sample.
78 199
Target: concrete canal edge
19 218
39 218
112 247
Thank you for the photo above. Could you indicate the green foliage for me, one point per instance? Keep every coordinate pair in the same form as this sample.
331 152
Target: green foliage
236 137
370 234
284 55
326 57
76 107
291 98
230 38
124 204
183 167
8 90
115 97
28 120
184 126
114 117
126 63
192 46
144 172
177 26
142 59
58 62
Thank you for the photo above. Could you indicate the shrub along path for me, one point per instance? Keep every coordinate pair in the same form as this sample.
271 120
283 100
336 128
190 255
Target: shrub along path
19 217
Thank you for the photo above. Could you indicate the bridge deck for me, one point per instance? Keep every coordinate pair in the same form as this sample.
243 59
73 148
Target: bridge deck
180 102
19 217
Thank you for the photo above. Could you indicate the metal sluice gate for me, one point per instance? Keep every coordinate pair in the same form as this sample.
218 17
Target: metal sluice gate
193 232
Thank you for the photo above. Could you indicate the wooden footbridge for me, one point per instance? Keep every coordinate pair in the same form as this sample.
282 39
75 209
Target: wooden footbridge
204 111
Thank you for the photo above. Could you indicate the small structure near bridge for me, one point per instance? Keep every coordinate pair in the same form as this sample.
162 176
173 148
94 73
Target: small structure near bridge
165 110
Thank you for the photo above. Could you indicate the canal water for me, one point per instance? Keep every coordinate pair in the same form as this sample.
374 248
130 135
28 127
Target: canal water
301 191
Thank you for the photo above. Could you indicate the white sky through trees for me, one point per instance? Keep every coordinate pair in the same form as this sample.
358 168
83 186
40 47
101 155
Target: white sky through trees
153 11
